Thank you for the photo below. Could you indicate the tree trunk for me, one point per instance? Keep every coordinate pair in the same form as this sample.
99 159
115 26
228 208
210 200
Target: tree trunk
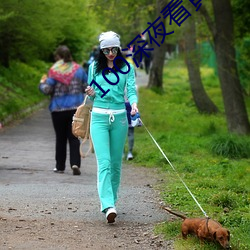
235 109
201 99
156 71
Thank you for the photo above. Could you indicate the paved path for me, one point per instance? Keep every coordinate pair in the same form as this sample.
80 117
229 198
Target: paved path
27 160
141 78
26 163
30 190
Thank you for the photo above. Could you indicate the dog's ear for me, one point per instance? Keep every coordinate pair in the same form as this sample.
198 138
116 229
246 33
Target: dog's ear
214 235
228 237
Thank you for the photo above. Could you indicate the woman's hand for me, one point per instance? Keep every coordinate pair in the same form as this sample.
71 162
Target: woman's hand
134 109
43 79
90 91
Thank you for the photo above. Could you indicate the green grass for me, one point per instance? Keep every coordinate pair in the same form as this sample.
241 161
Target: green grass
214 164
19 87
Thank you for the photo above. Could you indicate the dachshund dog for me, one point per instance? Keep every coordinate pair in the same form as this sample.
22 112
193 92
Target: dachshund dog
204 229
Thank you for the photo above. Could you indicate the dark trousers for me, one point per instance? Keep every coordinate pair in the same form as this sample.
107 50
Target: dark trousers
62 122
131 139
130 129
147 65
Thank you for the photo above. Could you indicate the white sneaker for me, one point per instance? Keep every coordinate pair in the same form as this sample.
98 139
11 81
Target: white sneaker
130 156
58 171
111 214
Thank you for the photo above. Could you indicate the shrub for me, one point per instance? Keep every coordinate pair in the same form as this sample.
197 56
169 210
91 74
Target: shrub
223 200
231 146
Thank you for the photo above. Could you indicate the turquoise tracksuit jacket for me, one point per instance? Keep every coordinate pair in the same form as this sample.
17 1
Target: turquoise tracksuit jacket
114 99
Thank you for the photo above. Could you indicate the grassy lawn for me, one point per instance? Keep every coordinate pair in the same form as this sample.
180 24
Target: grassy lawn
214 164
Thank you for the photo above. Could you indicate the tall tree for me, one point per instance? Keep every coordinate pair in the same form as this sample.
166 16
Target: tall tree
201 99
173 35
156 71
223 37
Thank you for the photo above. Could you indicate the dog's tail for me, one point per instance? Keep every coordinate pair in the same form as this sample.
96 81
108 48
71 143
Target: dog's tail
175 213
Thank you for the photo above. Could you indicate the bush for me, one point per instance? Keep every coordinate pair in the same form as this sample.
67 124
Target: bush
231 146
19 88
224 200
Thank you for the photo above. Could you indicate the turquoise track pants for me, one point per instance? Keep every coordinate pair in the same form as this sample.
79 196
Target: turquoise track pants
108 136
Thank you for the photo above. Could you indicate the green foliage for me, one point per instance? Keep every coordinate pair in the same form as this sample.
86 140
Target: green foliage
170 230
202 31
242 37
219 183
19 87
231 146
241 17
29 33
128 18
224 200
243 60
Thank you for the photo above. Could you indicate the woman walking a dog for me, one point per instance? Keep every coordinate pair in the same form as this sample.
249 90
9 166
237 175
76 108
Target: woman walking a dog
109 123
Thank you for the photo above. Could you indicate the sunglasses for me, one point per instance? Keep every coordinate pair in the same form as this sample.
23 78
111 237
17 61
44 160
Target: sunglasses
113 50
